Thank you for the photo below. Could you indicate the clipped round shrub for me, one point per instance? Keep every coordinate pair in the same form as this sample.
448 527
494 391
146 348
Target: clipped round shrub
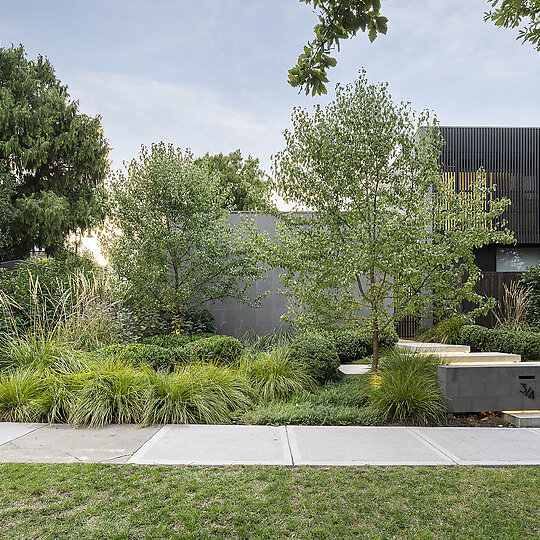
218 349
274 375
138 354
317 352
354 344
167 341
405 389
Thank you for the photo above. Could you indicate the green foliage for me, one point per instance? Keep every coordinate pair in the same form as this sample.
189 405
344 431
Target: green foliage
218 349
19 391
317 352
39 352
512 13
338 19
169 341
274 375
405 389
195 321
339 404
111 392
353 345
138 354
445 331
279 337
248 185
385 235
525 343
531 280
55 157
196 394
169 237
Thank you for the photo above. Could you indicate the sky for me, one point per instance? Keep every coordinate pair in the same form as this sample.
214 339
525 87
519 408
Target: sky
211 75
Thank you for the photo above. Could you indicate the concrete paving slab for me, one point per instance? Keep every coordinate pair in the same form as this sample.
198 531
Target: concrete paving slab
216 445
13 430
484 446
60 443
478 357
353 370
348 445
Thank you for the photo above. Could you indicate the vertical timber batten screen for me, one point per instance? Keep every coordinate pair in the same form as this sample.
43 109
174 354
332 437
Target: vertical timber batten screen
511 160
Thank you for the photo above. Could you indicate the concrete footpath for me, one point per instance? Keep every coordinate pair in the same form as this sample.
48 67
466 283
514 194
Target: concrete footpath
267 445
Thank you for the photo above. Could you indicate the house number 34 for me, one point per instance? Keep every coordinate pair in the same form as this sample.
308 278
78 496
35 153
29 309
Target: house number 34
527 391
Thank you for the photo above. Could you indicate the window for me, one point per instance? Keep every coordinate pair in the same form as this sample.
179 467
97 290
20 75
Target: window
517 259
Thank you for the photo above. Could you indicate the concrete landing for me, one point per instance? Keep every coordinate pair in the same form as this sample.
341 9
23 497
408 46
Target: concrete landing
478 357
523 419
419 346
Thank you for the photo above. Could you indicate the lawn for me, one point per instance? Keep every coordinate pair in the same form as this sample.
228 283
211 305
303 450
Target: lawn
104 501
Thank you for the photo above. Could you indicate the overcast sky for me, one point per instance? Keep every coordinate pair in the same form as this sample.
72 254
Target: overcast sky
211 75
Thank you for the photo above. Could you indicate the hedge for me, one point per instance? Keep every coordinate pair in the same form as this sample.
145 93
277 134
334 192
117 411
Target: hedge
354 344
483 339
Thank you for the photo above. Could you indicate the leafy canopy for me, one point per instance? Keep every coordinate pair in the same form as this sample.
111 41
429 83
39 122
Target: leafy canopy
169 236
341 19
248 185
512 13
378 233
52 158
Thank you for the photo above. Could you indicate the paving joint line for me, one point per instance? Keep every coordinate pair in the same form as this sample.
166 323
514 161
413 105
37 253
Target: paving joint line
432 444
289 446
143 443
25 434
534 430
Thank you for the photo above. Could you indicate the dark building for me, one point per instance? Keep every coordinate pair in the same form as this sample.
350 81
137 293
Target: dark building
510 158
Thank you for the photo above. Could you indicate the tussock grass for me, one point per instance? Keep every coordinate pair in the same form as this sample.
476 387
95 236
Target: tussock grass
405 388
275 375
19 394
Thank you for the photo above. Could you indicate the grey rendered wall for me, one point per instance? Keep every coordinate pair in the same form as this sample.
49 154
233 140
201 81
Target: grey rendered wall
235 318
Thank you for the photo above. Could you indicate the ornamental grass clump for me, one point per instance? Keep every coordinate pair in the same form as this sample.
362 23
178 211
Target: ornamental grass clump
19 392
111 392
275 375
40 350
405 389
195 394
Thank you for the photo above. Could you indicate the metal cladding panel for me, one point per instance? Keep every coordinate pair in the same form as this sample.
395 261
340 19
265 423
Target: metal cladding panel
511 160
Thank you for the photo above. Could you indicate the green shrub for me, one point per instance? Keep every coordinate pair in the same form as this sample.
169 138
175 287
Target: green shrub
195 321
308 414
405 389
479 338
316 351
203 394
352 345
168 341
111 392
531 280
274 375
138 354
218 349
19 391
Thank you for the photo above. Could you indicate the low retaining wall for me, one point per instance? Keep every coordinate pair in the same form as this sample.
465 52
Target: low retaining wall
491 387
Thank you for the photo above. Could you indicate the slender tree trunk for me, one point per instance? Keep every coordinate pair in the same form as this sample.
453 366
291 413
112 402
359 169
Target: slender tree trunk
375 362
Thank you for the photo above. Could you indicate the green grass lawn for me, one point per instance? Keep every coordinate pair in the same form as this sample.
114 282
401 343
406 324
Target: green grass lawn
106 501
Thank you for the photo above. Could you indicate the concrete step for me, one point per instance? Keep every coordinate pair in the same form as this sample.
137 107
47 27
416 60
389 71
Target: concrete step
419 346
353 370
476 357
525 419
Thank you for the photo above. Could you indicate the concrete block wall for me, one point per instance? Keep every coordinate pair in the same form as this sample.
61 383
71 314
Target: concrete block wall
495 387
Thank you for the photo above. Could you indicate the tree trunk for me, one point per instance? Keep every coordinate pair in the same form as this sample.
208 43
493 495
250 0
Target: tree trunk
375 362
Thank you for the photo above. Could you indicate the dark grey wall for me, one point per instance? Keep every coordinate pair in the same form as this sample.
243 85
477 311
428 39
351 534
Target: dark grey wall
235 318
